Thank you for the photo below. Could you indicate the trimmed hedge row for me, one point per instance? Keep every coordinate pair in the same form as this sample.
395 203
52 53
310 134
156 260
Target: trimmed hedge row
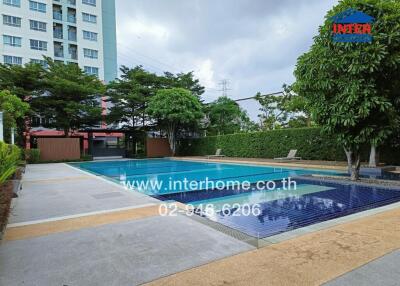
310 143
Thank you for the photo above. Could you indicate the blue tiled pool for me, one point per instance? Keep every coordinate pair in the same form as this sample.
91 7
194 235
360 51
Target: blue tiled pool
279 210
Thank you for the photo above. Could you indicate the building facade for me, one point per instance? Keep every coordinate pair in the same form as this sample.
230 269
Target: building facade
70 31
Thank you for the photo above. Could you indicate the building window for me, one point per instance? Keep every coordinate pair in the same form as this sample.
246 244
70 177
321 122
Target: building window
37 6
38 45
37 25
12 41
89 18
43 63
15 3
11 21
11 60
89 53
91 71
89 2
91 36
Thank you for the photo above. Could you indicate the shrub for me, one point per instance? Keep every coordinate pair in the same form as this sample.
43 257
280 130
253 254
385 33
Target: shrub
309 142
10 156
32 156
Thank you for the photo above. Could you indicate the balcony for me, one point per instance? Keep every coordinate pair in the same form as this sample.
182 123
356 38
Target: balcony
71 18
72 36
58 33
71 2
58 53
73 52
57 16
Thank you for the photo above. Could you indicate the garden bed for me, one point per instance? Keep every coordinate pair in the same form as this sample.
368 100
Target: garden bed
6 195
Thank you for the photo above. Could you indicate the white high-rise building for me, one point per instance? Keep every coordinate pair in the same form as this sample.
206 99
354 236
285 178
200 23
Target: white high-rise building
71 31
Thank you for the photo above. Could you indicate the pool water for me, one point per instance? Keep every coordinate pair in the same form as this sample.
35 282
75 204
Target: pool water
143 173
280 210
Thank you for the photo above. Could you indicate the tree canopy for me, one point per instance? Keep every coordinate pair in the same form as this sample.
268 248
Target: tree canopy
174 109
352 88
13 109
71 99
225 116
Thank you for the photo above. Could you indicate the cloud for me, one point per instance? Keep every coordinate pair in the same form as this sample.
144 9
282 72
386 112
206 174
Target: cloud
254 44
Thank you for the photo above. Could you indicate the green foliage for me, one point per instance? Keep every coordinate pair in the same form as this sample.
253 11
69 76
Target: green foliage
281 111
25 82
310 143
72 97
32 156
14 108
226 117
352 88
175 109
130 94
10 156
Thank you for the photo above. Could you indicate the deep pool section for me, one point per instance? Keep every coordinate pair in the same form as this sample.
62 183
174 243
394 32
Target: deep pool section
285 210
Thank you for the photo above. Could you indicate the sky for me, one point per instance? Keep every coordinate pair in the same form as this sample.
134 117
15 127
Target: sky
253 44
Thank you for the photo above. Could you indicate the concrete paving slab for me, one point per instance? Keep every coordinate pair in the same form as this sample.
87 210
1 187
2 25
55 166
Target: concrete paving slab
383 271
126 253
53 190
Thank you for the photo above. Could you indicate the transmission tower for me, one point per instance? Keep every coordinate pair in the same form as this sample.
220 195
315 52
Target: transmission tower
224 87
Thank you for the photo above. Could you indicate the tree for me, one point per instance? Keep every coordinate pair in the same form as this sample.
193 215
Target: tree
350 87
71 99
130 94
25 82
225 116
285 110
13 108
174 109
184 80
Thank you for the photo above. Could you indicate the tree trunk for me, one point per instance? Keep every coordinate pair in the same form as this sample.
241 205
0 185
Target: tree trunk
355 174
66 132
349 156
353 167
172 138
373 157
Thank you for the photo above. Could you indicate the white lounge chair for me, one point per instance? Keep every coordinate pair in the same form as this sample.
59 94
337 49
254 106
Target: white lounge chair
290 156
217 154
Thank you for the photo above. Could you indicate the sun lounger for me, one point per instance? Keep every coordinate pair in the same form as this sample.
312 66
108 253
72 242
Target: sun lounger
217 154
290 156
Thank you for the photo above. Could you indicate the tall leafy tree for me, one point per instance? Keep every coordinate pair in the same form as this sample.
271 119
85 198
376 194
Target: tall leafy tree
24 82
13 108
71 99
184 80
130 94
175 109
225 116
284 110
352 88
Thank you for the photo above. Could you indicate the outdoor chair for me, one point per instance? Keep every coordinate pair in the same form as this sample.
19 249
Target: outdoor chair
290 156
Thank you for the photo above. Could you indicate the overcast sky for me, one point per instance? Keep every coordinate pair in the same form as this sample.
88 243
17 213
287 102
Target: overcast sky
254 44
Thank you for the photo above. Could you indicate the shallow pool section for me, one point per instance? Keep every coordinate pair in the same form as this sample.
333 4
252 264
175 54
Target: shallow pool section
284 210
166 176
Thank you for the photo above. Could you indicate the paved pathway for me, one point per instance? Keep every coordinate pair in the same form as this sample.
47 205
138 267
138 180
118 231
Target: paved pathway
70 228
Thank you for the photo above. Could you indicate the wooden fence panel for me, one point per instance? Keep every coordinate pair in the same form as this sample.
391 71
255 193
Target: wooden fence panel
158 147
54 149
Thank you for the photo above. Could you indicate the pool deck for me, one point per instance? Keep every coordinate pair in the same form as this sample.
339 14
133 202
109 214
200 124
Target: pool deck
69 227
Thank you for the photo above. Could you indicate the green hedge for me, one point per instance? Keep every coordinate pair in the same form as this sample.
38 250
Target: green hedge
310 143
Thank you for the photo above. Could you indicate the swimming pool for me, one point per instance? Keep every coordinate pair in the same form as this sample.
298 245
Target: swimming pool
280 210
146 175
